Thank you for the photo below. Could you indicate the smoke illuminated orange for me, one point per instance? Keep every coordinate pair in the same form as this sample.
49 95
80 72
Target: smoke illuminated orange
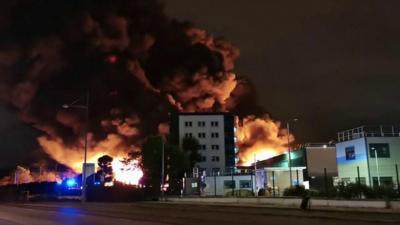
260 139
113 145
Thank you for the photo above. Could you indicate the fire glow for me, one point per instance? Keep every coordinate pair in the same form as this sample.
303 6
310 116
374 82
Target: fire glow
260 139
136 68
127 172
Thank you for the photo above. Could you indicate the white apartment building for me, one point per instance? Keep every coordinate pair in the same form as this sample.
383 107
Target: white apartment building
216 135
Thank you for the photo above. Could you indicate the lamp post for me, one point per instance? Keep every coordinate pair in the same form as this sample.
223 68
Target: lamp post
162 167
86 108
289 152
377 166
255 174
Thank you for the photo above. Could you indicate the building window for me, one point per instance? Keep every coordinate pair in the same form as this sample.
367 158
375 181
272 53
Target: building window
214 135
245 184
203 159
229 184
201 135
385 181
382 150
215 158
203 147
215 147
215 171
188 124
350 153
201 124
214 123
188 135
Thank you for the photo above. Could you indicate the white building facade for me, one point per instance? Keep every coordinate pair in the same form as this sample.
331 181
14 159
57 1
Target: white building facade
216 135
369 155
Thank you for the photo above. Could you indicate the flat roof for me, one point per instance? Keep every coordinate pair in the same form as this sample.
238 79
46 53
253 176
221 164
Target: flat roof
203 113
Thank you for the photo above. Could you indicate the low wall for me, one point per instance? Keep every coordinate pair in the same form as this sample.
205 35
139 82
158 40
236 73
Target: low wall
349 203
295 202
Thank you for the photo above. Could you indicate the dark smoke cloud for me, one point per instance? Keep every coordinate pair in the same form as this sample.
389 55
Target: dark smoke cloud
136 63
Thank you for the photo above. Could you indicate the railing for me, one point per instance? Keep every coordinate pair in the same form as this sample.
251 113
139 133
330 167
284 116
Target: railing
369 131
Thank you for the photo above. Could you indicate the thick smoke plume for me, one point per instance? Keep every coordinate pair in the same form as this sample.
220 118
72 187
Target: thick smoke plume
136 64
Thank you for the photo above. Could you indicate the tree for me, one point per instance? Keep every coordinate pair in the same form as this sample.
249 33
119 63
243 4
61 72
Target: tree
191 147
105 164
177 162
151 161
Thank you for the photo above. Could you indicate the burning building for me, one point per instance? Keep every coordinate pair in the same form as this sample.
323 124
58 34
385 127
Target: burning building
136 64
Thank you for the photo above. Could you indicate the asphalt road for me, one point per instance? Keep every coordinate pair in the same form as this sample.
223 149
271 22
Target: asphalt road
154 213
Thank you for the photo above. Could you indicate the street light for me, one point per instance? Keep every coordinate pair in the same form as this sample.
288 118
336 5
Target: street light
86 108
289 151
162 168
377 165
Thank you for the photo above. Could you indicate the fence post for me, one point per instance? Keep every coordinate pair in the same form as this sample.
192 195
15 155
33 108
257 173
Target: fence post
359 181
252 186
398 182
273 183
232 183
215 184
326 182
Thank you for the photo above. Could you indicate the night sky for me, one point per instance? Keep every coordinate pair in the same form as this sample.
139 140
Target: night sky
333 65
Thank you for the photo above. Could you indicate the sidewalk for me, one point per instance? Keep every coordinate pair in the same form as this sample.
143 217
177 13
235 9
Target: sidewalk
280 206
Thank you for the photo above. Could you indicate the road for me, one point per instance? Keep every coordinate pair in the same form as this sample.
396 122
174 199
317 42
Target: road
154 213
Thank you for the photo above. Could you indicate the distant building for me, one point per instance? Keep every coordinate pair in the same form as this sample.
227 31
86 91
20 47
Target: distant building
369 154
90 170
216 135
224 185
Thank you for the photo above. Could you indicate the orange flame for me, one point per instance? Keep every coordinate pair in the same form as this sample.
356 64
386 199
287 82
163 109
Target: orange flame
260 138
113 145
127 172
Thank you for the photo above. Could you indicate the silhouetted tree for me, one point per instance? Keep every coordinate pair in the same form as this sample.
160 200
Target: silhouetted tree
177 162
191 147
105 165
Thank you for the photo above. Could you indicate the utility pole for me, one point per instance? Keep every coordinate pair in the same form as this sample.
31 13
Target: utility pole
289 153
86 108
162 168
86 146
255 174
377 167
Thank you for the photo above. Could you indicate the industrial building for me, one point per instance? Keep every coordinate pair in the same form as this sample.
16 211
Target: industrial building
216 135
312 165
369 155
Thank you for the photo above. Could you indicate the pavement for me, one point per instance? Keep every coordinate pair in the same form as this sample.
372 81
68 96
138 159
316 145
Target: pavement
160 213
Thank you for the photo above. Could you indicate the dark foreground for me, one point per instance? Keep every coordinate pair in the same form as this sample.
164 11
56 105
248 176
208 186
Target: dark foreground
153 213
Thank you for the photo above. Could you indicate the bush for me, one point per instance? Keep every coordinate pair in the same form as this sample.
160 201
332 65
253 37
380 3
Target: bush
382 192
297 190
353 190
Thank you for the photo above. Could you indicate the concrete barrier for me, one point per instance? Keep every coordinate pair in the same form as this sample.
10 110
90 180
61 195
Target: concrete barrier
395 205
348 203
295 202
